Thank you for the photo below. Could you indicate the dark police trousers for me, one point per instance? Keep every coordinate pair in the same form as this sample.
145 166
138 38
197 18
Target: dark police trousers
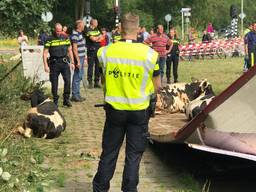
172 59
93 62
57 67
133 124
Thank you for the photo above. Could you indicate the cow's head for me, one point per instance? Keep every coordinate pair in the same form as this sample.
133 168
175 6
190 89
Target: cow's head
198 87
206 88
193 90
37 97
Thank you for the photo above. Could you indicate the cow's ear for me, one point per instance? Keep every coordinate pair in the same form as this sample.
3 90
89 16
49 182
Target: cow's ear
205 83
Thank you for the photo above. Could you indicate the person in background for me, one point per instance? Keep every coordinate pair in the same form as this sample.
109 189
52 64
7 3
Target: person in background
93 39
79 51
58 46
22 39
140 38
210 30
250 46
151 32
246 59
159 41
191 36
116 34
172 56
206 37
105 38
42 38
65 30
145 34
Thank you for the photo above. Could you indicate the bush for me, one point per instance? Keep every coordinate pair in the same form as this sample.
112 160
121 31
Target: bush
22 163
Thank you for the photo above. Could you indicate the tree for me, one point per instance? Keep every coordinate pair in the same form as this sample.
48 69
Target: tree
22 14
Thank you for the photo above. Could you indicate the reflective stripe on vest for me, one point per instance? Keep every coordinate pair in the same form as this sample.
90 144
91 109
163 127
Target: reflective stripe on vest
93 33
117 38
126 100
174 41
56 43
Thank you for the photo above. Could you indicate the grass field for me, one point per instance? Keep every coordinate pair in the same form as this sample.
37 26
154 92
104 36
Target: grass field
13 43
24 157
219 72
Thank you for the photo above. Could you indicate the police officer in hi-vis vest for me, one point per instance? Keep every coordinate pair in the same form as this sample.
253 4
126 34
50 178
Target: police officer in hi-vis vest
59 46
93 39
131 74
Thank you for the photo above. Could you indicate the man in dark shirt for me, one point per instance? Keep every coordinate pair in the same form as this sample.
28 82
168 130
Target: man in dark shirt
93 39
116 36
250 46
206 37
59 46
172 57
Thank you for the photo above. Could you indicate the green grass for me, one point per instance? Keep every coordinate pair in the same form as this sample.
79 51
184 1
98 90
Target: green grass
8 43
61 179
219 72
13 43
23 160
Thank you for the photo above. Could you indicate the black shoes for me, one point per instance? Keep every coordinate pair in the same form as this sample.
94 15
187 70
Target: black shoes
90 85
96 85
67 103
78 99
82 99
168 81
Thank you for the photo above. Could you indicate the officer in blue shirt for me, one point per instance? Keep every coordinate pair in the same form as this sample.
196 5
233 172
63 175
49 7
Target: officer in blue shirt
250 46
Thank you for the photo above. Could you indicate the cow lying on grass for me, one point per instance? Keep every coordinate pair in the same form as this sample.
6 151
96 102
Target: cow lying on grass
174 97
197 105
43 120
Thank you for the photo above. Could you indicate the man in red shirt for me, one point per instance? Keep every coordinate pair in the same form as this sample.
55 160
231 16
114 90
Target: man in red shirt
159 41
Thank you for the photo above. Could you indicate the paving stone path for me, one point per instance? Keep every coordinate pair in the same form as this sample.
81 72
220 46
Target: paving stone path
74 156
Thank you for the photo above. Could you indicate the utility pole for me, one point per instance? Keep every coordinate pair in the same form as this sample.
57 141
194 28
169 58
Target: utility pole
187 13
117 12
87 13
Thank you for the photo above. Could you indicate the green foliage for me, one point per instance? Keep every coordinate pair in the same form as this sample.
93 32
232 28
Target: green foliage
61 179
22 14
22 163
26 14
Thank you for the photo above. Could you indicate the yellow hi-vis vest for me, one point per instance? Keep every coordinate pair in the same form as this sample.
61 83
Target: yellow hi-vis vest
128 71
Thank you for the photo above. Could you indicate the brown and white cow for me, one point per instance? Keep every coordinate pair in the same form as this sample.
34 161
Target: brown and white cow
44 119
197 105
174 97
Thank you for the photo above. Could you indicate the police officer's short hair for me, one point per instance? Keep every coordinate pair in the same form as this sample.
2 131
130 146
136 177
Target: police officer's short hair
78 22
130 23
92 20
57 24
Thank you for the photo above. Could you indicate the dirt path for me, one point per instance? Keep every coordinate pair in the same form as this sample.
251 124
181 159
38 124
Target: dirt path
73 168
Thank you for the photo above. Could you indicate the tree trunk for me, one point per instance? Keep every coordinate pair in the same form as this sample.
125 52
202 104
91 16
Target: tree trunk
82 9
77 9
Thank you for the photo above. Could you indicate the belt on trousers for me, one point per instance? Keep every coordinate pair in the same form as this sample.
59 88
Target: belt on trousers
64 59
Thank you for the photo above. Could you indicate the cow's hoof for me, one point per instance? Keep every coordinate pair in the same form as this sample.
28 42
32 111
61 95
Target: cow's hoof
28 133
20 130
